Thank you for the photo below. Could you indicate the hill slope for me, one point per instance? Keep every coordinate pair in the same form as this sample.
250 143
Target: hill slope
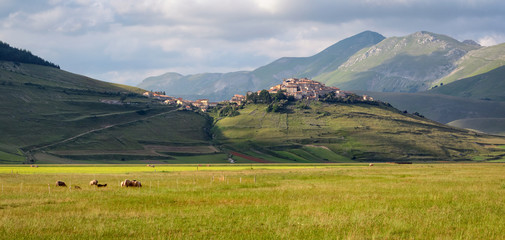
477 62
487 125
400 64
488 86
441 108
342 132
221 86
44 109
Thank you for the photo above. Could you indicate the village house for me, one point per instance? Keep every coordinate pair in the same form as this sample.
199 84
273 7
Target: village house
148 94
170 102
203 104
238 99
155 95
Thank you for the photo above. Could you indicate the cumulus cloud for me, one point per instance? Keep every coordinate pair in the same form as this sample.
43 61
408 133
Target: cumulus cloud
128 40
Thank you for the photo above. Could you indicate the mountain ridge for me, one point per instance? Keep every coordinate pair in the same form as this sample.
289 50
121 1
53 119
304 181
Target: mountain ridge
220 86
400 64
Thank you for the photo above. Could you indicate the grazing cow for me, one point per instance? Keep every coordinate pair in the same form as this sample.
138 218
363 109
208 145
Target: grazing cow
76 187
101 185
150 165
370 165
60 184
93 182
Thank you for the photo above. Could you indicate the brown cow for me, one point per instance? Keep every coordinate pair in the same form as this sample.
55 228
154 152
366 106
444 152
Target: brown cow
370 165
93 182
60 184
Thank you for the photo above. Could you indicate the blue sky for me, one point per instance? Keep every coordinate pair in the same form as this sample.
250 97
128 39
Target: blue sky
126 41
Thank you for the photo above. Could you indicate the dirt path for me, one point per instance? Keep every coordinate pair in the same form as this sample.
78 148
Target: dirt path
97 130
255 159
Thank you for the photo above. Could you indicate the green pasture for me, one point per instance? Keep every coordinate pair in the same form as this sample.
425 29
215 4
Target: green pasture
158 168
352 201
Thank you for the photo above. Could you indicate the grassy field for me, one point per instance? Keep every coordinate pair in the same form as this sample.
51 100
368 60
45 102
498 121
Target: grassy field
352 201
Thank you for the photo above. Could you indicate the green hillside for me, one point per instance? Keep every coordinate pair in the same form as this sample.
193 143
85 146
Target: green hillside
487 86
477 62
44 109
399 64
345 132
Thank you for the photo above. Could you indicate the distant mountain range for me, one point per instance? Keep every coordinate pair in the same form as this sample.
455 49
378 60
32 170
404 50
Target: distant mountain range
221 86
367 61
432 64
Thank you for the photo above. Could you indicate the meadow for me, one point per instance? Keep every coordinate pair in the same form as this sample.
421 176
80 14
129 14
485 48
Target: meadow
259 201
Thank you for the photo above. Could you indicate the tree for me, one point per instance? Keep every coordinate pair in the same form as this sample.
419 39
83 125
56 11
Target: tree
264 96
279 96
253 97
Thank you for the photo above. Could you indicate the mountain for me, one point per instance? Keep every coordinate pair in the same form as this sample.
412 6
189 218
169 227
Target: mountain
326 61
400 64
477 62
366 62
220 86
337 132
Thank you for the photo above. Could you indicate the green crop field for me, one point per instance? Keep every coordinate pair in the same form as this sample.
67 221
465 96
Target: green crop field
322 201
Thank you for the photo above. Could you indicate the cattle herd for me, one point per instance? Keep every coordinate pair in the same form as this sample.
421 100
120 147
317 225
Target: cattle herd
125 183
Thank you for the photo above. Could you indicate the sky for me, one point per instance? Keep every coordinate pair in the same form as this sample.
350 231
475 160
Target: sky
125 41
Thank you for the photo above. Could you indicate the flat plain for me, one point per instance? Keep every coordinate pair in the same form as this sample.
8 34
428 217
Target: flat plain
259 201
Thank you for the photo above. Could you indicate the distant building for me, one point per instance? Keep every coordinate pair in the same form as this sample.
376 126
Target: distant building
238 99
302 88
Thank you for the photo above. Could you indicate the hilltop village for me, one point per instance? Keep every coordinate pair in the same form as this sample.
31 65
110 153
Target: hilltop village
298 89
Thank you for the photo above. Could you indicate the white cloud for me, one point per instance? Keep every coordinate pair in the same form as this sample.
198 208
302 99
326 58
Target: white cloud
491 40
123 40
